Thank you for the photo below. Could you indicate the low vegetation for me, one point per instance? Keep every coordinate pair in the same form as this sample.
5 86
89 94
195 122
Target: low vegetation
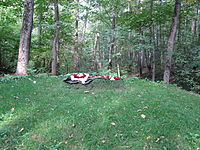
46 113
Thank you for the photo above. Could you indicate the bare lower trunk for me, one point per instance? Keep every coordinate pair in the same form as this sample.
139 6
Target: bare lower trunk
171 40
55 47
111 49
112 44
76 56
39 28
141 62
95 63
25 39
194 22
153 66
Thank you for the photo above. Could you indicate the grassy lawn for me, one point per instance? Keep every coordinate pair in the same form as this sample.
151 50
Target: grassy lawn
46 113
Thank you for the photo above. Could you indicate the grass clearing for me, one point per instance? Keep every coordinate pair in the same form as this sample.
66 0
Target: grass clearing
46 113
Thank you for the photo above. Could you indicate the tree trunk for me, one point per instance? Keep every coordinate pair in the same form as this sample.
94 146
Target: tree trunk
55 47
25 39
112 44
95 63
194 25
171 40
76 57
39 28
152 40
82 39
141 62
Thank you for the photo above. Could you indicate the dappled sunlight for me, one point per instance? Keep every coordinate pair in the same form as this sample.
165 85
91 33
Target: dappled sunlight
103 114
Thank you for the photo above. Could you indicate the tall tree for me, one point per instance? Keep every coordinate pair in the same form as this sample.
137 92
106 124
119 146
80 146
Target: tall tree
171 40
55 47
95 62
112 42
76 57
25 39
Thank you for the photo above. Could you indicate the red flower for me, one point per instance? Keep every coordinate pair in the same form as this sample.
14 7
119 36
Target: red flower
79 75
117 78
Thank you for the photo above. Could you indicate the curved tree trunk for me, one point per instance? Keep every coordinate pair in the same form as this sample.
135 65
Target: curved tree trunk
171 40
25 39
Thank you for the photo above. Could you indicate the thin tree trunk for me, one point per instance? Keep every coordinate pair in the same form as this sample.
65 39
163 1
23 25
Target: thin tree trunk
153 66
152 42
76 56
25 39
171 40
39 29
95 63
112 44
194 25
85 26
141 57
140 62
55 47
100 54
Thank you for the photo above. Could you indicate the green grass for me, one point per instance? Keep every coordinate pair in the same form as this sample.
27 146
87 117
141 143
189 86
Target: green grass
104 115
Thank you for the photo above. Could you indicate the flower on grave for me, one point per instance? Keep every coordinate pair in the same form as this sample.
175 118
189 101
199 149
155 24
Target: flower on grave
82 77
79 75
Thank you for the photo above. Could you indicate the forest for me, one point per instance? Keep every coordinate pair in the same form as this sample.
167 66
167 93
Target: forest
154 39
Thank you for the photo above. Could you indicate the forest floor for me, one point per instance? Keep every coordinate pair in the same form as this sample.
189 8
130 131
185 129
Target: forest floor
46 113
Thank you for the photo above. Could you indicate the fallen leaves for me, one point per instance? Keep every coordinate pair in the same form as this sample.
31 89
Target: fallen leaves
22 129
113 123
143 116
101 114
73 125
34 82
103 141
15 97
148 137
158 139
65 142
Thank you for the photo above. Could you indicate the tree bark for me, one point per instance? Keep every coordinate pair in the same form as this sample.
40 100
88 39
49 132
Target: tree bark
152 40
95 63
40 15
55 47
194 25
25 39
76 57
112 43
171 40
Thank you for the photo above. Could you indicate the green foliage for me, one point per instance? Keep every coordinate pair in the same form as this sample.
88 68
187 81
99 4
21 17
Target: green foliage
139 25
9 40
187 69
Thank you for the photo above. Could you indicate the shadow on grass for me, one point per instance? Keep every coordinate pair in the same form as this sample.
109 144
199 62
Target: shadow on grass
19 126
